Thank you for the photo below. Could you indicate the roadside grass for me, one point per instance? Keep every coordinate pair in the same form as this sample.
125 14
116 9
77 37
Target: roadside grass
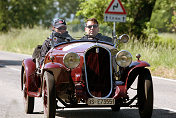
162 58
170 36
26 39
23 41
166 39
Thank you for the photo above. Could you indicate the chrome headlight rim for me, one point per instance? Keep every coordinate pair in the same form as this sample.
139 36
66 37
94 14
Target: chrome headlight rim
123 58
71 60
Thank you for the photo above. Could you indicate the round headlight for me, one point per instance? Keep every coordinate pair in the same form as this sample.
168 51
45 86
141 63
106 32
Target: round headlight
123 58
71 60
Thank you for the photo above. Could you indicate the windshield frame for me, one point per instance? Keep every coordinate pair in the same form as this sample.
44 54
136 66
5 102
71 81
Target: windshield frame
73 41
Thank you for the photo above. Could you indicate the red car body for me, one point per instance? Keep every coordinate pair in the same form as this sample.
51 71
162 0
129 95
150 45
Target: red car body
96 81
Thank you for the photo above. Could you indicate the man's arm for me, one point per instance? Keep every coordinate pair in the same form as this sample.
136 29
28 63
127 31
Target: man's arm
104 38
45 48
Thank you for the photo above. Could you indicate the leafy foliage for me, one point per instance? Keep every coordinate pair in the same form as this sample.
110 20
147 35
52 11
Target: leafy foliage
25 12
151 32
22 13
172 25
67 7
4 20
163 15
93 8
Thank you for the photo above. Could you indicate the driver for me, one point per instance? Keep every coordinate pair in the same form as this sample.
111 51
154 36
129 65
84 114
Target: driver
59 34
92 31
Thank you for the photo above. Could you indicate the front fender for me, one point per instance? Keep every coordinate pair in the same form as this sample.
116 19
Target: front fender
134 70
29 67
139 64
60 72
51 66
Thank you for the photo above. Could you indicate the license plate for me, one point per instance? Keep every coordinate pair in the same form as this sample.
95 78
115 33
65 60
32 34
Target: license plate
106 101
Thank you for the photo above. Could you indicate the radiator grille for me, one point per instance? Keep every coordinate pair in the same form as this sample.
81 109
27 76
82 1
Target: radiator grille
98 72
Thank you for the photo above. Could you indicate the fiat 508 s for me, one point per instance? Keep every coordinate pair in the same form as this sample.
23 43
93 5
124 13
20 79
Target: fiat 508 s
87 73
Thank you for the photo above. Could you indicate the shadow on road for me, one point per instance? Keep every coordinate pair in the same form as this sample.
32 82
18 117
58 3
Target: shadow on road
107 113
162 113
4 63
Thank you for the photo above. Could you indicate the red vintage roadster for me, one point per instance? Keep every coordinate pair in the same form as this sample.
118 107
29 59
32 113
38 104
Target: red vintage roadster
87 73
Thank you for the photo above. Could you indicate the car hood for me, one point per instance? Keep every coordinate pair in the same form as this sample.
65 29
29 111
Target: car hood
79 47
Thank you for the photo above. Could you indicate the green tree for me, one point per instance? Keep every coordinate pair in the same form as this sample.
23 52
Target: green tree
143 15
68 7
25 13
172 26
4 15
48 12
163 15
93 8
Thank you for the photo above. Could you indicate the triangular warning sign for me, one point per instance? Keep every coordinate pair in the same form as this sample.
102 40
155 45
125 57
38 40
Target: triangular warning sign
115 7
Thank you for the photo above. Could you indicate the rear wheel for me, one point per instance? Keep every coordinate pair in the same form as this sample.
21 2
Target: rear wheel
49 96
145 94
28 101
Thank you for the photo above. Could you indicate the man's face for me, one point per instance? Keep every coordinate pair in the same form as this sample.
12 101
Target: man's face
60 30
91 28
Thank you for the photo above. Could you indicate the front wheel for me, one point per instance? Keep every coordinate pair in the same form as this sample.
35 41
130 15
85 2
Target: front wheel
115 108
28 101
145 94
49 95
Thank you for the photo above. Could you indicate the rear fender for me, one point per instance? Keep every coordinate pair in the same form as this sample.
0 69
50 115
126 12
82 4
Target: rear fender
134 69
29 67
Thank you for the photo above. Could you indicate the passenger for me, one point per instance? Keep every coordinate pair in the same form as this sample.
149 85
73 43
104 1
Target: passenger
59 34
92 31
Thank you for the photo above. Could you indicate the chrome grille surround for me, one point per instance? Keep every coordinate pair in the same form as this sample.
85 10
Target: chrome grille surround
110 68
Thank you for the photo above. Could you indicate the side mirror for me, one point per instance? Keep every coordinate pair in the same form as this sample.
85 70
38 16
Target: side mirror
124 38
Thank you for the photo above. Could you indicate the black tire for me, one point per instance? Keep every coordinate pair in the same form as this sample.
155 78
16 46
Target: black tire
49 95
115 108
28 101
145 94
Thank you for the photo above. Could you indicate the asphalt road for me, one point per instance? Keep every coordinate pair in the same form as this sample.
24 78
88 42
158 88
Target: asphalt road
11 97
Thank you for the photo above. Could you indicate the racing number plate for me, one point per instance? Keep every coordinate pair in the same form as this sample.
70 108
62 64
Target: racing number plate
106 101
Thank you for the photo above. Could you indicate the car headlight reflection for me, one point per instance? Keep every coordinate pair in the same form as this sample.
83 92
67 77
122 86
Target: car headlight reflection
71 60
123 58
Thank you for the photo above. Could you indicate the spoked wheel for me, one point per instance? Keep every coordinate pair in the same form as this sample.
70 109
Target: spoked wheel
28 101
145 94
49 96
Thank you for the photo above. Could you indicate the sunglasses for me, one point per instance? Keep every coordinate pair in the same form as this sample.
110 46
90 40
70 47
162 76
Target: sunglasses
94 26
61 28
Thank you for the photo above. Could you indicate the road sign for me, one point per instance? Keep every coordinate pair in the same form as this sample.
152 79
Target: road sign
114 18
115 12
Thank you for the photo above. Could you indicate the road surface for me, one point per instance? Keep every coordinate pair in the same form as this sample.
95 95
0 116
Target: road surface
11 97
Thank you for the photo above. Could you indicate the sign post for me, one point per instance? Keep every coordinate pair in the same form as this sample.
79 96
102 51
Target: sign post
115 13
